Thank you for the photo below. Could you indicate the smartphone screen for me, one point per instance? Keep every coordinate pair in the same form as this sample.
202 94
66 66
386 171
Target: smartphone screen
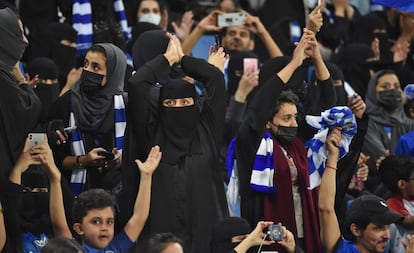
250 64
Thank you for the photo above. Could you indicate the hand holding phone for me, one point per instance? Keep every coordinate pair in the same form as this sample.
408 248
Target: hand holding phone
108 155
250 65
231 19
36 139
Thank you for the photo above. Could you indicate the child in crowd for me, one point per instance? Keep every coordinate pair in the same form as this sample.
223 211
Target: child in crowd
94 213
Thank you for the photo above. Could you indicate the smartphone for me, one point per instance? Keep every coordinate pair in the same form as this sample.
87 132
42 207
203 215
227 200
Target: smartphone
108 155
250 65
217 40
230 19
36 139
275 232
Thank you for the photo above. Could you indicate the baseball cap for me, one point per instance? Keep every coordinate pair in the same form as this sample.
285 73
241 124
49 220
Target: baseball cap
373 207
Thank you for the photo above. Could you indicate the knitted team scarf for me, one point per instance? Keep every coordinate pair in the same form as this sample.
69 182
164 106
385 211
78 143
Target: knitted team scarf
340 116
82 22
78 178
262 172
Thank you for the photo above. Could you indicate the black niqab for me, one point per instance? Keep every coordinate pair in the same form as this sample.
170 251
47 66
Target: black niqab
11 40
178 124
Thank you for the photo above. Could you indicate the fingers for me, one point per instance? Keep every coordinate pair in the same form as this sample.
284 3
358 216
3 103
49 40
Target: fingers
26 145
155 153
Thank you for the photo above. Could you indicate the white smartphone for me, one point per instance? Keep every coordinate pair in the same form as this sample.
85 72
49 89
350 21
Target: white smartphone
36 139
230 19
250 65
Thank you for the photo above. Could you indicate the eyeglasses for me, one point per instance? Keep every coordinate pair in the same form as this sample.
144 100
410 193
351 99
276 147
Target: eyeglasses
409 179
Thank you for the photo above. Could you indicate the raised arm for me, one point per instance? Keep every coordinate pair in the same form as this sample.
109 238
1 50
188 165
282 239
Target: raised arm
207 24
142 203
44 155
256 26
329 225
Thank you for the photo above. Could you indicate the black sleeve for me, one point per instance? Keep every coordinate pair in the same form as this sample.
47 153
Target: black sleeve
11 199
348 164
213 108
143 95
234 116
327 94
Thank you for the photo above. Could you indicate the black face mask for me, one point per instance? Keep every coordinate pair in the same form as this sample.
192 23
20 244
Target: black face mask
90 82
285 134
390 99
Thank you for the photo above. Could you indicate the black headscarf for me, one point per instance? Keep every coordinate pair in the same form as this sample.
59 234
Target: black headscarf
149 45
236 64
355 64
376 111
296 83
64 56
91 111
11 40
225 230
47 93
337 74
364 28
139 29
178 124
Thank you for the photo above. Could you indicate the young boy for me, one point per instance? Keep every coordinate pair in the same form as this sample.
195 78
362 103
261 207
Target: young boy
397 174
94 213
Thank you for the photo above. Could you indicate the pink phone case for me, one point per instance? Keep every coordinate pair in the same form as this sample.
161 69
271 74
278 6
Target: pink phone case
249 64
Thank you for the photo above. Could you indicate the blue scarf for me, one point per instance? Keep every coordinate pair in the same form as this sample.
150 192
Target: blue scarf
82 22
262 172
340 116
78 178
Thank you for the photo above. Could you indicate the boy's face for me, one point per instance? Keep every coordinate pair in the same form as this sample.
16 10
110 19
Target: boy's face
97 227
373 239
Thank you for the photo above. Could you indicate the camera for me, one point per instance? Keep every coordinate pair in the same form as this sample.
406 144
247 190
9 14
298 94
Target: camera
231 19
275 232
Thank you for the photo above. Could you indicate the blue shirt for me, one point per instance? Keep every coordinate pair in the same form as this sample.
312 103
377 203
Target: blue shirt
345 246
120 244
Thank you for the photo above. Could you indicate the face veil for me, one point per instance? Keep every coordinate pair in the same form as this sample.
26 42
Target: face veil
178 124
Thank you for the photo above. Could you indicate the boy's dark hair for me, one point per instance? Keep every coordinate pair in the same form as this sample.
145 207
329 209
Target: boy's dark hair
287 96
361 223
393 168
61 244
91 199
158 242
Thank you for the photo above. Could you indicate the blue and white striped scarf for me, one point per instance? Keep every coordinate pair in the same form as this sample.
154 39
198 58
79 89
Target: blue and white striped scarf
82 22
78 178
340 116
262 171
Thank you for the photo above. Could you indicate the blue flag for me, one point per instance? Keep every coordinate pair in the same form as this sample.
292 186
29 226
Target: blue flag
402 5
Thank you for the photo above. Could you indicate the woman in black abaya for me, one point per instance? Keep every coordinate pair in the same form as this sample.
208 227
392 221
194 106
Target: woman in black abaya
19 105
